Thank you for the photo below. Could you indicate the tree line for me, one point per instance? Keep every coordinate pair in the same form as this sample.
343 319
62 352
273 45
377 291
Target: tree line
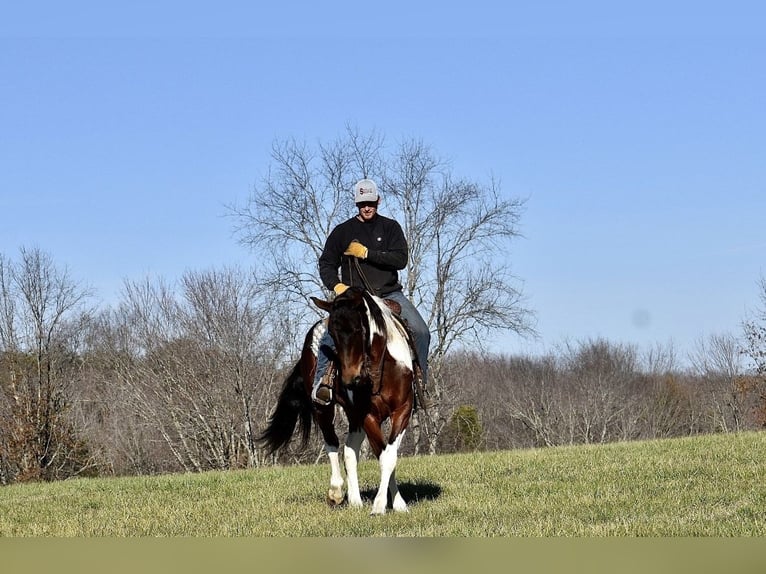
183 378
182 375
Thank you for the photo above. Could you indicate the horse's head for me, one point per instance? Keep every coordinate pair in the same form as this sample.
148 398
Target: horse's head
351 314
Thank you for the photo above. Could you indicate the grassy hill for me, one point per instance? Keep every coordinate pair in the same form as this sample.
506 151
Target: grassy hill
701 486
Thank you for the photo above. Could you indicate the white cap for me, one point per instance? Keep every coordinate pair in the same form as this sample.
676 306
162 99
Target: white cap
365 190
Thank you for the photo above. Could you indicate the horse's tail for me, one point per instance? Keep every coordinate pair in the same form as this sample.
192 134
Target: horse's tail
293 408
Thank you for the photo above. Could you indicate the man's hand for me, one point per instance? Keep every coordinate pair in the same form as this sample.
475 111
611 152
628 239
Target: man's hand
356 249
339 288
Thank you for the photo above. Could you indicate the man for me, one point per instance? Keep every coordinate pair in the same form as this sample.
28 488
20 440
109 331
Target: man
376 246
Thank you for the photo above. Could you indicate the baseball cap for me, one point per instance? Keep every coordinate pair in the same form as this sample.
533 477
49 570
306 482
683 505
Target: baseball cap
365 190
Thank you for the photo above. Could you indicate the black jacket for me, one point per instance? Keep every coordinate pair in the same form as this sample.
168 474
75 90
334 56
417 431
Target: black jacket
386 254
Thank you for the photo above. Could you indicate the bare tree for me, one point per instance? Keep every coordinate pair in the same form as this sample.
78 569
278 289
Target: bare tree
288 217
754 350
458 233
535 400
755 333
592 391
718 362
197 365
37 302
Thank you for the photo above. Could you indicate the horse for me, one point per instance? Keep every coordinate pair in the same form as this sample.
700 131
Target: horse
374 370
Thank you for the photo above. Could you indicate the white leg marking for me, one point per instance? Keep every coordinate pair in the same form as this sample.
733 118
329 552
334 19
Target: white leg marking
335 494
396 496
387 461
351 458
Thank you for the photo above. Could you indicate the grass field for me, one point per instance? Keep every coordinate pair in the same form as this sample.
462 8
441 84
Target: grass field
701 486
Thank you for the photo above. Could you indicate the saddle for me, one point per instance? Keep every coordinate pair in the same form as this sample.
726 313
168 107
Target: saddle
417 382
396 309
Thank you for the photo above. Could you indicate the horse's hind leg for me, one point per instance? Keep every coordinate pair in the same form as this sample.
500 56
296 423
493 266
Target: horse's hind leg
351 458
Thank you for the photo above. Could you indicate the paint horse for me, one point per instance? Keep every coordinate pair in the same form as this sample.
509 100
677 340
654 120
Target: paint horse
373 382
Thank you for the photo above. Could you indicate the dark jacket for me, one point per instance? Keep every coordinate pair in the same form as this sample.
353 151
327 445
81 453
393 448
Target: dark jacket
386 255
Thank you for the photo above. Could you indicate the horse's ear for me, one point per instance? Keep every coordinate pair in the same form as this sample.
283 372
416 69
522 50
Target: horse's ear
324 305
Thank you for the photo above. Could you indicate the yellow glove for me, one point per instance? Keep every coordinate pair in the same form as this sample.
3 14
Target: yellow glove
356 249
339 288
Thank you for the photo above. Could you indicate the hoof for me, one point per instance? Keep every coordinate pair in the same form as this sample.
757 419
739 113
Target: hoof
335 497
378 509
399 504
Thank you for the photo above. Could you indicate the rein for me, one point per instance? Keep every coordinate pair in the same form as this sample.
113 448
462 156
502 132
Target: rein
361 274
376 376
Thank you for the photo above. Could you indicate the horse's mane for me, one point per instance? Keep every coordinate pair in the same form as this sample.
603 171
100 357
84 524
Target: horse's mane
383 320
376 309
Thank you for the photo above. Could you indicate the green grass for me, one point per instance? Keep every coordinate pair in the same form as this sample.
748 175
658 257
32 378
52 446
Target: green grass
702 486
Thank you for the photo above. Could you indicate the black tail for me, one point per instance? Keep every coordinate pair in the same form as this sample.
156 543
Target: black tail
293 407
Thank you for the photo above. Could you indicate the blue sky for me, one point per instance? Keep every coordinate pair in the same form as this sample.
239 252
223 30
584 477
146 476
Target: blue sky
637 133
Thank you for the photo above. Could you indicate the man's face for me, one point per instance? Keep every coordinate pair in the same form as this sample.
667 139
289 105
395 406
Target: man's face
367 209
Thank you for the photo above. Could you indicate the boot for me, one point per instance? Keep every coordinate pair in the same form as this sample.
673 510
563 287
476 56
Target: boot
321 394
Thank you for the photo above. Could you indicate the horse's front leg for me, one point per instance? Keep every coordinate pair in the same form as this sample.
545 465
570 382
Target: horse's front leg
387 455
351 458
335 494
324 418
387 459
399 422
396 496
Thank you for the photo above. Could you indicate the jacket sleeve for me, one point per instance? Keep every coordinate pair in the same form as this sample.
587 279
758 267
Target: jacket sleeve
394 253
330 259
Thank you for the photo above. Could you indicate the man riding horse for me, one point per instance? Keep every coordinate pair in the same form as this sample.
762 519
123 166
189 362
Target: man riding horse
369 249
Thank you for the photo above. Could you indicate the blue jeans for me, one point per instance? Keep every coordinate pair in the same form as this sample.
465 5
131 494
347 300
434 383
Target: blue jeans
418 327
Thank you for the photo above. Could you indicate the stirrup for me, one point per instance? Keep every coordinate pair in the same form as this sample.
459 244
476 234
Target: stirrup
326 394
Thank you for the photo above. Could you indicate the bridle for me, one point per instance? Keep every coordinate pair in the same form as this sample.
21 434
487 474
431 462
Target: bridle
375 375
